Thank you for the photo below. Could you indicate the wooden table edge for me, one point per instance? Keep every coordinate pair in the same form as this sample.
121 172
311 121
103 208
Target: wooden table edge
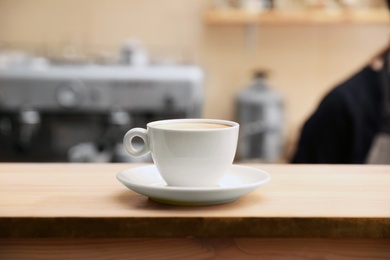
125 227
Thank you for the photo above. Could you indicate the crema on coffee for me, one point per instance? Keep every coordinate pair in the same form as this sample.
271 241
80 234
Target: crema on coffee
191 126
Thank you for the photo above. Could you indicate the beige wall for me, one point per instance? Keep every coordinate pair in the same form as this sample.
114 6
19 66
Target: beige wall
305 61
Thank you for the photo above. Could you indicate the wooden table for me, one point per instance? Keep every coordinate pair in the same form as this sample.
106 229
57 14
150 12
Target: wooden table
57 211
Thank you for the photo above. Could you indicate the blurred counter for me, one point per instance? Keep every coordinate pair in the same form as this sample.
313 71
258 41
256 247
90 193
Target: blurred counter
69 210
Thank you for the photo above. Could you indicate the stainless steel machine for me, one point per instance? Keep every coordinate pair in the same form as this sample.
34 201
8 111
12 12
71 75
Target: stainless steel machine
80 112
261 116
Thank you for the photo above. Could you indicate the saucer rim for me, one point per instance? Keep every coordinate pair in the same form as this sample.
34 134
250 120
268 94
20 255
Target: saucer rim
267 178
193 196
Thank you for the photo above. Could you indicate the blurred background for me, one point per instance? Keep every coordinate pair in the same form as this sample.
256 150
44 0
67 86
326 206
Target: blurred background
76 75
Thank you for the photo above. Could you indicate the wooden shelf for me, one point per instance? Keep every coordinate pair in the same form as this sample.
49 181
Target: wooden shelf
305 17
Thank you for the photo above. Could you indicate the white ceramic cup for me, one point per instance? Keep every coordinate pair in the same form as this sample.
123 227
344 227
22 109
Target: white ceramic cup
190 157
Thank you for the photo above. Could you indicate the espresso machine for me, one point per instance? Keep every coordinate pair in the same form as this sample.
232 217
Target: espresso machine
52 112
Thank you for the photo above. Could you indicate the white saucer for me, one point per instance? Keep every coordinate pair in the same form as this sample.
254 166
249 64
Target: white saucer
240 180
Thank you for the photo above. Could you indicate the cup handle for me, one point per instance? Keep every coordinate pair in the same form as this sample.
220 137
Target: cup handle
136 132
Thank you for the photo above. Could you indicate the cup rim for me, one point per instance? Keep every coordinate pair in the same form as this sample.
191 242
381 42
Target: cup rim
196 120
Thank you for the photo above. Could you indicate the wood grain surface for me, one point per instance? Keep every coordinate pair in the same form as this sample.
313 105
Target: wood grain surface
195 248
86 200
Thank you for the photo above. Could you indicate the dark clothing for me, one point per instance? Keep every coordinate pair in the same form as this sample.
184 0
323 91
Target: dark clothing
342 128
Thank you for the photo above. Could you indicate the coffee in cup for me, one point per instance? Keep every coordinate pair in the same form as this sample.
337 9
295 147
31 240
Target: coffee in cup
188 152
191 126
